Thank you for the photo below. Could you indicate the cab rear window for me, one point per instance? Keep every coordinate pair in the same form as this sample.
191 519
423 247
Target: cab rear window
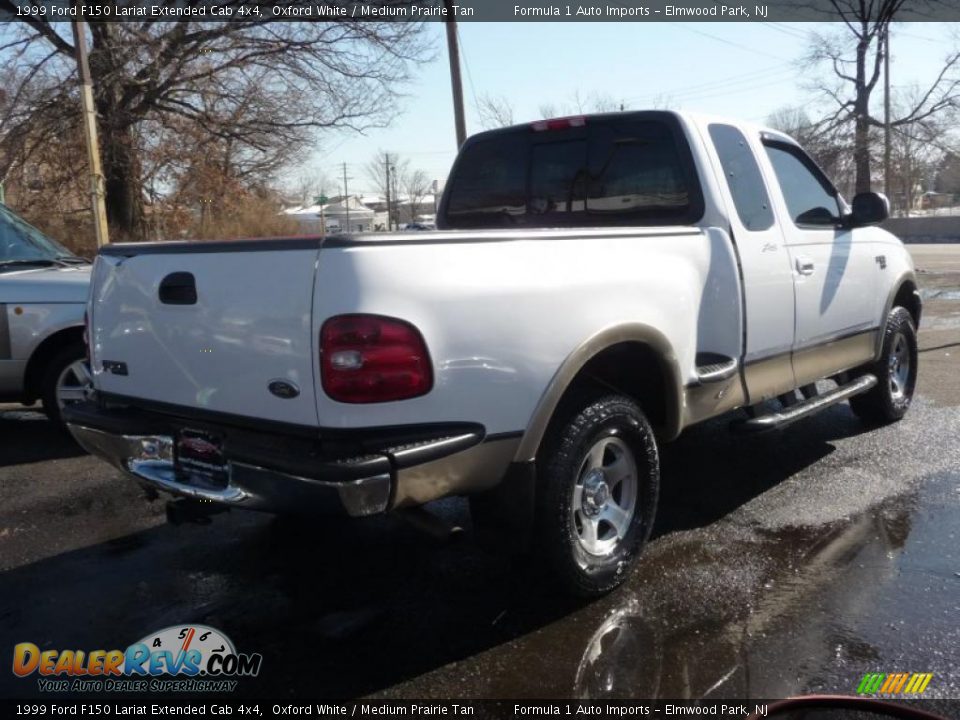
620 170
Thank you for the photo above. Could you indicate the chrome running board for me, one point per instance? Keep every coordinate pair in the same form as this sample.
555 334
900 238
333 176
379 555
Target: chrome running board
805 408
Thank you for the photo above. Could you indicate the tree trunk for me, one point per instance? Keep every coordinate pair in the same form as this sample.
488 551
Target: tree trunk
861 153
121 171
908 190
118 148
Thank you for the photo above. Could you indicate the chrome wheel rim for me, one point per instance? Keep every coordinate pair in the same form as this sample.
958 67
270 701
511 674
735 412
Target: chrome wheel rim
604 496
899 367
74 383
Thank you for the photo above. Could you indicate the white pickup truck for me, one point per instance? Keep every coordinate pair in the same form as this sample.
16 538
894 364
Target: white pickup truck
596 285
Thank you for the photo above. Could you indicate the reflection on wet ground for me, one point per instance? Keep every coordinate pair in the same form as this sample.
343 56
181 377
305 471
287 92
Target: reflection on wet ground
941 294
781 564
810 612
805 583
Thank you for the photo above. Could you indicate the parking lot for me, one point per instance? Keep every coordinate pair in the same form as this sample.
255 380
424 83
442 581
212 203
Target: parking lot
785 563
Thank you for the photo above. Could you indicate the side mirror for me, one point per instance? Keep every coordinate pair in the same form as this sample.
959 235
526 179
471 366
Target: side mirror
869 208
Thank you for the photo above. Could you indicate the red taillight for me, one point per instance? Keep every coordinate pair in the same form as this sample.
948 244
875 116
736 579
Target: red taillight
559 123
370 358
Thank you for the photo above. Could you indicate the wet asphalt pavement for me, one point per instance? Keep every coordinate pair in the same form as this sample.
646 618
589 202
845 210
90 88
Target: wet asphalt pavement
782 564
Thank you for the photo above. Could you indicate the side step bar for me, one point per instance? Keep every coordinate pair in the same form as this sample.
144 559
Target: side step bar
806 408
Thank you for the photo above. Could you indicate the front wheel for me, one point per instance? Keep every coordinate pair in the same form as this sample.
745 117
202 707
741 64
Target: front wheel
66 380
896 372
597 485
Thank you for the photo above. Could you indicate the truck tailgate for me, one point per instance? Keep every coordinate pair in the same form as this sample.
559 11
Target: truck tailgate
248 326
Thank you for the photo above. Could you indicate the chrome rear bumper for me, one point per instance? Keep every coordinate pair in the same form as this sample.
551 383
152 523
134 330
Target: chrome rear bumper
149 459
292 469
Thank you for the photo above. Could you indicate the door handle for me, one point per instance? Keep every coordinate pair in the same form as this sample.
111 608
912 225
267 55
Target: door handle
805 266
178 288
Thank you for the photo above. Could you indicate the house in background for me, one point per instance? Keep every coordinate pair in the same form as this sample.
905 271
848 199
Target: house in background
319 219
348 215
367 213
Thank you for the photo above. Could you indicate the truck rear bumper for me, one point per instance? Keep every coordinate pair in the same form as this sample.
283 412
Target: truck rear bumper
149 458
358 473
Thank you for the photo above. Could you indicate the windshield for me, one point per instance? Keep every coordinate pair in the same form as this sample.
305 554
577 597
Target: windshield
21 243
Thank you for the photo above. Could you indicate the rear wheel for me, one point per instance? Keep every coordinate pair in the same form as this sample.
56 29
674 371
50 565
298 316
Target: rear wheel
598 478
896 372
66 380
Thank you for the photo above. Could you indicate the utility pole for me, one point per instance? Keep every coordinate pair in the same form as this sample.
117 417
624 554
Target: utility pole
886 111
395 194
387 166
346 195
90 133
453 50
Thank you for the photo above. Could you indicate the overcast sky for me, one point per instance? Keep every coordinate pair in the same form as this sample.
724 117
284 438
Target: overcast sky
741 70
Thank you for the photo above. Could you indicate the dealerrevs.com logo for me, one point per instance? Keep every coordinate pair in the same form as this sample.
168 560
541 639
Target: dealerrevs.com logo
192 658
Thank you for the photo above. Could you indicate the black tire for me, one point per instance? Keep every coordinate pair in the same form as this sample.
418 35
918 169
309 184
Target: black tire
890 399
617 426
51 375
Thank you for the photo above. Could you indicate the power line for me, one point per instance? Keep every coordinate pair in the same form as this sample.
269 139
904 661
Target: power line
749 81
734 79
733 90
787 30
731 43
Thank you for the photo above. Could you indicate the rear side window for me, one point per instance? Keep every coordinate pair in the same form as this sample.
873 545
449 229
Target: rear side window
612 171
743 177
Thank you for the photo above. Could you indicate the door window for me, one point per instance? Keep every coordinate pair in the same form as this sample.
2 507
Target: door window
810 197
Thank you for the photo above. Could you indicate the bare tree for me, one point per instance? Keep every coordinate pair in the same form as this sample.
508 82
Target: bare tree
494 111
416 185
661 101
311 185
602 102
30 118
948 174
578 103
378 174
549 110
830 146
293 79
917 149
376 171
42 157
854 56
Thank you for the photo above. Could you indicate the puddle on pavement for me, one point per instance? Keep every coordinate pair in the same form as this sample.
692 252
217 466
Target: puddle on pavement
944 293
805 609
758 586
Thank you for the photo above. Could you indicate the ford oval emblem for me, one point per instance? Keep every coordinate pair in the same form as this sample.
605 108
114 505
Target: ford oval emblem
283 389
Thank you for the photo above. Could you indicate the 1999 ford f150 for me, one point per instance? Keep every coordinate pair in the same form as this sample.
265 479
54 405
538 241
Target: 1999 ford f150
596 285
